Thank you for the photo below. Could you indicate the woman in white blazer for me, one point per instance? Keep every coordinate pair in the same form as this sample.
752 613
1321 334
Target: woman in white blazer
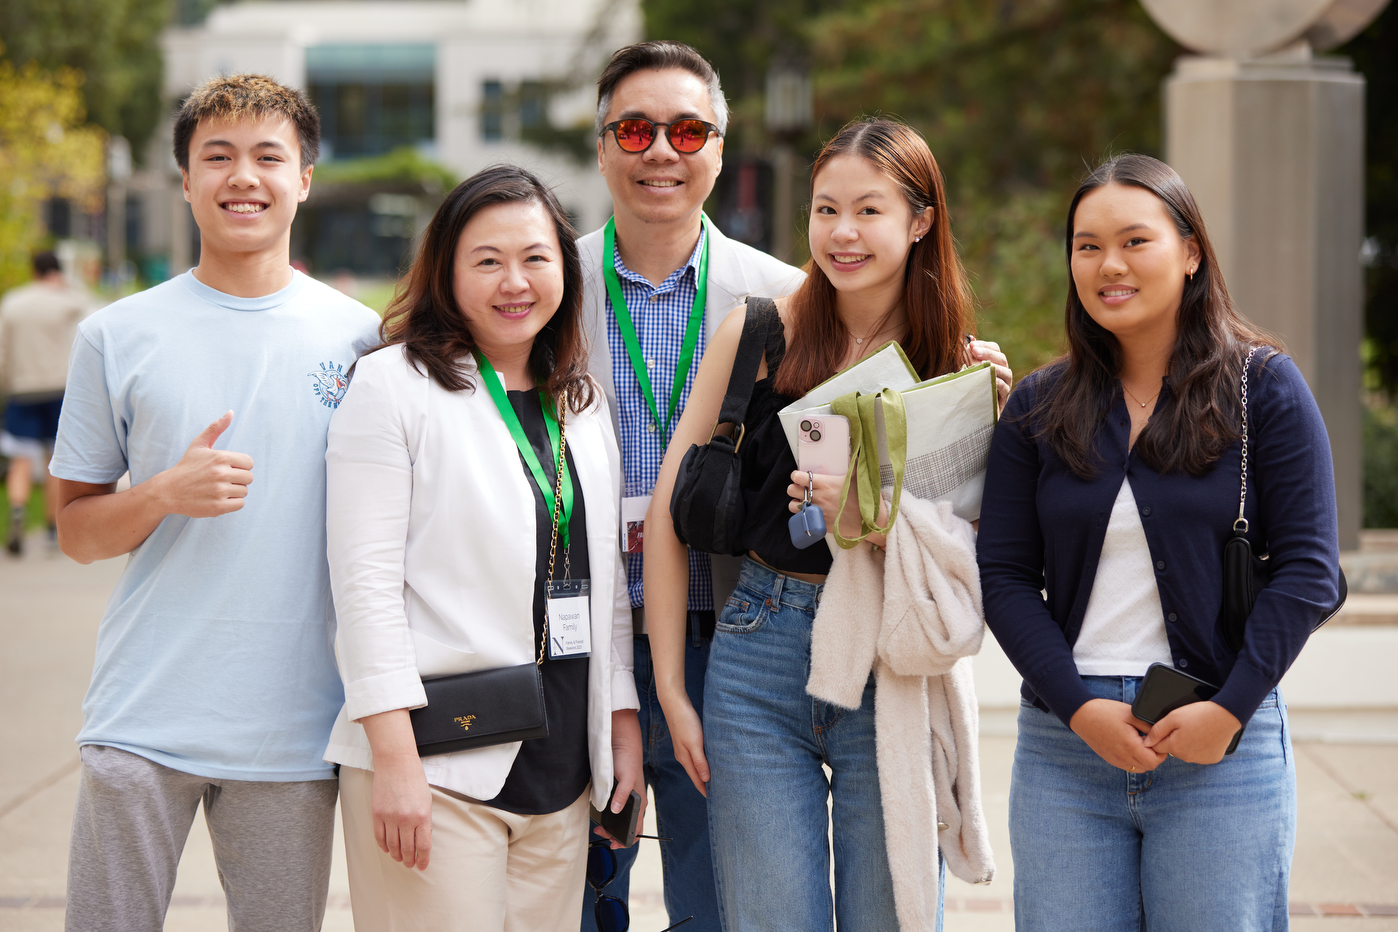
439 545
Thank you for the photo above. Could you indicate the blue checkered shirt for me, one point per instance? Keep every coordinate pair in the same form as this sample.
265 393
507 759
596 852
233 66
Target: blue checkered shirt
659 315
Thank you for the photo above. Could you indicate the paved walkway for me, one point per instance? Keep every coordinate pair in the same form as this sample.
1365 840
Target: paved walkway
1345 875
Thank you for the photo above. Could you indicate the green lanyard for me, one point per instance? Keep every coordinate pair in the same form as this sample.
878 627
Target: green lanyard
526 449
628 328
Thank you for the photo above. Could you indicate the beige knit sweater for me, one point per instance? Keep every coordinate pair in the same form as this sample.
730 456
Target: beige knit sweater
914 617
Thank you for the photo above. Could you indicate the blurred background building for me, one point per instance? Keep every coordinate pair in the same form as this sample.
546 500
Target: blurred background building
412 97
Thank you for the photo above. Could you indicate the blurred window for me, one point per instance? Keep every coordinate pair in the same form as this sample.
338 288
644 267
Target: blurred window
533 102
373 98
492 110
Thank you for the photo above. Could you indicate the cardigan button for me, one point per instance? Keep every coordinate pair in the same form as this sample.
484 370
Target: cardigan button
1146 511
1160 564
942 826
1174 617
1182 662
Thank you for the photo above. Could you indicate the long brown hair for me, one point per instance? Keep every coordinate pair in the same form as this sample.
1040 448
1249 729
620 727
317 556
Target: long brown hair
1199 418
935 291
424 316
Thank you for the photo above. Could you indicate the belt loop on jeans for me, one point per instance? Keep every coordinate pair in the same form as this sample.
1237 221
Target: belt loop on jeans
777 590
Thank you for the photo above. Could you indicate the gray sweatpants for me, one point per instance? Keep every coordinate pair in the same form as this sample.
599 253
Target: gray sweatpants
272 844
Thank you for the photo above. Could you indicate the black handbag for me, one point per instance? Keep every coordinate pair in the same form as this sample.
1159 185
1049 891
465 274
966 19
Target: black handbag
477 710
1245 571
707 503
488 707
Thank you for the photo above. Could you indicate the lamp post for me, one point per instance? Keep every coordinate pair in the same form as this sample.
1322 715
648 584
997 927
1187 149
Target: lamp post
789 111
1270 139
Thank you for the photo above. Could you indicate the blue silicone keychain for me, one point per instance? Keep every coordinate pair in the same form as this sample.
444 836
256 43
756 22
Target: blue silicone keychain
808 525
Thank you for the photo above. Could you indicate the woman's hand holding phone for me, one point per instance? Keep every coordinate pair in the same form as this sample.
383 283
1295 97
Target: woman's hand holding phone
1115 735
628 768
1198 733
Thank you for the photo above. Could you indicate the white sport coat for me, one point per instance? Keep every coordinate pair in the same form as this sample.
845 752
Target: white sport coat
432 546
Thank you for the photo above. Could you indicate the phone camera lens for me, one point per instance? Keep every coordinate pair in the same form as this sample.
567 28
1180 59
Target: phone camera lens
815 436
805 425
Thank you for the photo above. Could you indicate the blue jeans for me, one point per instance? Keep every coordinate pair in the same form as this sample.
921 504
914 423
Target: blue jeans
1183 848
766 741
681 812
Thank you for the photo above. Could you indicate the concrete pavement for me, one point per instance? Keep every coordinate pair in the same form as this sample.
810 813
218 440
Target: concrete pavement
1347 762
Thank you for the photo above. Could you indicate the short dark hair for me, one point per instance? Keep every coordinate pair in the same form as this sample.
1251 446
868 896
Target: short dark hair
247 96
44 263
424 316
655 56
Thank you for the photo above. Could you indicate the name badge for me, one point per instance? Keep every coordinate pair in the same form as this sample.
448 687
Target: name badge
633 522
570 619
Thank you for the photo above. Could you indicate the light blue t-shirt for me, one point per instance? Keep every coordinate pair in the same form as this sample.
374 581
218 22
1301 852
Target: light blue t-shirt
215 654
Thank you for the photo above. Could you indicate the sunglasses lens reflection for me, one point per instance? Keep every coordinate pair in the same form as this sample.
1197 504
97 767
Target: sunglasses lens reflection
634 135
688 135
601 865
611 915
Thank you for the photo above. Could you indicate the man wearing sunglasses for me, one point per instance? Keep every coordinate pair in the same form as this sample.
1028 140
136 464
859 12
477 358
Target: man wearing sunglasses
658 280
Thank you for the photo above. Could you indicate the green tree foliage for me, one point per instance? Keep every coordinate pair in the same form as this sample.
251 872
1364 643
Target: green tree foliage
1017 98
114 42
46 150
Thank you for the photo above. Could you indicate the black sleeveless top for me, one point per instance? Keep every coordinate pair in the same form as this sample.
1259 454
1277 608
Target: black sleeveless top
767 467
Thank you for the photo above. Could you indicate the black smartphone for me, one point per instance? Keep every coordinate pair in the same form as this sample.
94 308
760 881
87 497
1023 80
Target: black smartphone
1166 689
621 825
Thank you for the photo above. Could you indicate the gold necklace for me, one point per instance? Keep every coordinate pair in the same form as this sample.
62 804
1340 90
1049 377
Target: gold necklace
1137 400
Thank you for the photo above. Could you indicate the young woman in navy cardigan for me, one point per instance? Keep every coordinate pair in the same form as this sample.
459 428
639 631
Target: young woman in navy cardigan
1113 484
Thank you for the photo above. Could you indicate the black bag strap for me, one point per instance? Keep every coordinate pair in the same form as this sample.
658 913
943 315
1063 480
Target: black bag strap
760 314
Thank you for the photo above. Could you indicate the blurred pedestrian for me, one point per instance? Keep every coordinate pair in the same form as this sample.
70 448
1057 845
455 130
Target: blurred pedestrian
1114 483
659 278
38 323
214 679
473 482
883 267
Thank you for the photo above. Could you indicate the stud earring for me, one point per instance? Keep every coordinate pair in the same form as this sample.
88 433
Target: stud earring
917 239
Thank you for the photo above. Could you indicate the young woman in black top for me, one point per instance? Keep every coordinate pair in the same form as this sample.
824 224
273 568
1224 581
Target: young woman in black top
1114 482
884 268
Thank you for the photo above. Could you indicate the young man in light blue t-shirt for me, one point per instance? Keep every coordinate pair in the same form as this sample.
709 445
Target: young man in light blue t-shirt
214 678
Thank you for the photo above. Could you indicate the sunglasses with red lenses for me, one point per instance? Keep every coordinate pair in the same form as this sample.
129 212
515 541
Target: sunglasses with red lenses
639 135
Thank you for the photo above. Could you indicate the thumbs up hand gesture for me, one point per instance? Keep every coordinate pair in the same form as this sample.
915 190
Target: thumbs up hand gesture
206 483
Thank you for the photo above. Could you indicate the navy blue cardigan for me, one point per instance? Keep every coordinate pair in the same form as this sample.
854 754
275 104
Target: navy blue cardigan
1042 528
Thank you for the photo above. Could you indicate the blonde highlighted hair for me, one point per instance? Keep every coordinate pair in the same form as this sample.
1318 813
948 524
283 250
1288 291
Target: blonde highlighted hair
247 97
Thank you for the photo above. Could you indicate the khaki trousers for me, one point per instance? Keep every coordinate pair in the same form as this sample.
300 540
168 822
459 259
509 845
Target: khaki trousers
490 870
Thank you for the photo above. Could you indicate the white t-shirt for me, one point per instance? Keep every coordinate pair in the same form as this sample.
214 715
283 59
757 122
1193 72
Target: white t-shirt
1123 631
214 656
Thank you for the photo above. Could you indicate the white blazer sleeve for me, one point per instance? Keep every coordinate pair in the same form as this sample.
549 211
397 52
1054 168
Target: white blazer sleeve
623 661
369 490
623 657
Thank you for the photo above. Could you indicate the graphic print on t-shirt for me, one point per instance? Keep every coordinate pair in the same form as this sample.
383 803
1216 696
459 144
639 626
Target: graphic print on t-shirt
330 384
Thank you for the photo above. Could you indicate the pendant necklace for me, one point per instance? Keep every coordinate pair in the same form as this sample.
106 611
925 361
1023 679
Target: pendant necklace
878 328
1139 401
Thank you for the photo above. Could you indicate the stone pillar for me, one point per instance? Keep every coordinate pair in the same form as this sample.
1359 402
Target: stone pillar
1273 150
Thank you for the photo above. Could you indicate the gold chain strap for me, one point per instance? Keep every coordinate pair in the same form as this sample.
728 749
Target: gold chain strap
557 506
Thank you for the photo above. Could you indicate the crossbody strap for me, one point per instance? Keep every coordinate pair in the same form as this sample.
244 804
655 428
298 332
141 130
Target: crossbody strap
1241 525
760 312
